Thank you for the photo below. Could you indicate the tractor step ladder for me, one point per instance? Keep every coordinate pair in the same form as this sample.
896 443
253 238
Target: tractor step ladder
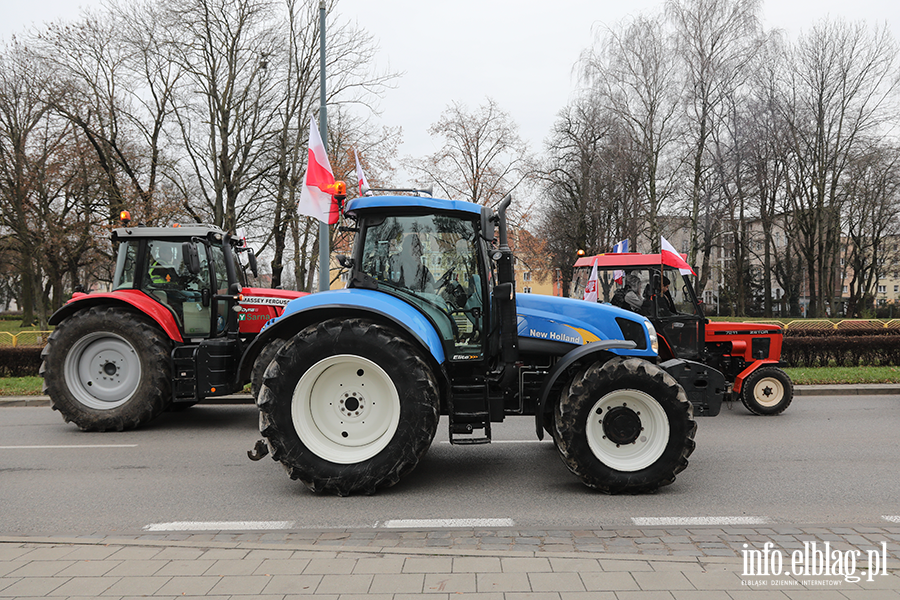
184 382
469 412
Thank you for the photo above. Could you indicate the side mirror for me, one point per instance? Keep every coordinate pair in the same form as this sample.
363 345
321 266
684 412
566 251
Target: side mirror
251 258
191 257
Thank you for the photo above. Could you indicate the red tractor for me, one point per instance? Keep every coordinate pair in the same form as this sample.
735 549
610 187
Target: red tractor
170 333
711 359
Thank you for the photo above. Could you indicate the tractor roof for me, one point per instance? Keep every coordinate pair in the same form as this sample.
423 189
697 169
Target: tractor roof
176 231
621 260
412 203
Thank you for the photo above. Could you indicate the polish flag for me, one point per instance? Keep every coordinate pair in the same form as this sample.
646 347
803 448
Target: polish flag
363 182
590 290
671 257
316 195
619 275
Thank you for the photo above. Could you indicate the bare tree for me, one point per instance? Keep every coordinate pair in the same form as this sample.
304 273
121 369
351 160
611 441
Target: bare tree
872 191
590 198
716 41
482 157
353 83
837 95
636 75
24 158
226 108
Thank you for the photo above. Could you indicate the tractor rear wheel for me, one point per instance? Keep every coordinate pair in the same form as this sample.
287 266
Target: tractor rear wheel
625 426
106 368
767 391
348 406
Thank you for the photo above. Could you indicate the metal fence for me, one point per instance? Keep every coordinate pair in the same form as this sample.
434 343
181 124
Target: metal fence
24 338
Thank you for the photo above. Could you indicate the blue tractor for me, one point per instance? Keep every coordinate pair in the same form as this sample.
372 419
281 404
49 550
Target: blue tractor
351 383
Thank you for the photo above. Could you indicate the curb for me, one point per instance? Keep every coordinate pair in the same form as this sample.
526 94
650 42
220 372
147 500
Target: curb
863 389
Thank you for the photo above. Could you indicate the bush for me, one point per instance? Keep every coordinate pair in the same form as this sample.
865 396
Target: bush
841 350
22 361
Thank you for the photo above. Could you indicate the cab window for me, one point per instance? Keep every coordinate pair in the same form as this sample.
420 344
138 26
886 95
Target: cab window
431 261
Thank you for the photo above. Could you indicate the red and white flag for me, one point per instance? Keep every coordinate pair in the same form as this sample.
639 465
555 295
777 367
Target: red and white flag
363 182
316 195
618 274
671 257
590 290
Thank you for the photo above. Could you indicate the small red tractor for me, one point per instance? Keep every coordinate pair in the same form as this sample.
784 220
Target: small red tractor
170 333
711 359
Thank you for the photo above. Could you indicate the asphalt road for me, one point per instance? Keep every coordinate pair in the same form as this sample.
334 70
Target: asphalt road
827 460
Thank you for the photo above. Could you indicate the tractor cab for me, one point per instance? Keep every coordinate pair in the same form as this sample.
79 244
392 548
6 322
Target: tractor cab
189 270
640 283
435 262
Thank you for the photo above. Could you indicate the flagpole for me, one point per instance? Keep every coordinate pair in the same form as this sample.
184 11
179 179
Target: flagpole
324 231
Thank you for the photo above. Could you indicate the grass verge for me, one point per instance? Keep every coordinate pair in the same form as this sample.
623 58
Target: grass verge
843 375
20 386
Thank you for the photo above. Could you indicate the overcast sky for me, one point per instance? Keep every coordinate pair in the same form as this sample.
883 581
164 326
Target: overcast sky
521 54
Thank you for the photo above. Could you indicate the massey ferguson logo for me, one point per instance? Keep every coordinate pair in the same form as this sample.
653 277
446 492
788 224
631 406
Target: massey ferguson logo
265 300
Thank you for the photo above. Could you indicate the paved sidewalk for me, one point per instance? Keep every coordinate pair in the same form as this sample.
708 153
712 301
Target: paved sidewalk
704 563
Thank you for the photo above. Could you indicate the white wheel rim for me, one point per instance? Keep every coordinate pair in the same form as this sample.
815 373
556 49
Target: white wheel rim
768 392
345 409
102 370
649 444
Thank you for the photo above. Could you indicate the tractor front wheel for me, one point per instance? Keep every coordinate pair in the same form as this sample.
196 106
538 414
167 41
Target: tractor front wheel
767 391
625 426
105 369
348 406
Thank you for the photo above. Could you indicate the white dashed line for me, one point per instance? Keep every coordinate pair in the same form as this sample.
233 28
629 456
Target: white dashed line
891 518
697 521
446 523
545 441
219 526
68 447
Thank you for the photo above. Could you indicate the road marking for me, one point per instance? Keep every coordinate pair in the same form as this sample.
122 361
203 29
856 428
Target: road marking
512 442
683 521
891 518
68 447
219 525
447 523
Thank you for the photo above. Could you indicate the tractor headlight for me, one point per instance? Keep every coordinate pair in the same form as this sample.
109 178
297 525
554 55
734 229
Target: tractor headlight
654 341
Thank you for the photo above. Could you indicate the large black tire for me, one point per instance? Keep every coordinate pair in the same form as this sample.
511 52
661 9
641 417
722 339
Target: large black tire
348 406
107 369
767 391
625 426
261 364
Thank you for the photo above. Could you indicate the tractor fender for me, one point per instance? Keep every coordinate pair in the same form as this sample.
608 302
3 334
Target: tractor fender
600 349
314 308
739 380
127 298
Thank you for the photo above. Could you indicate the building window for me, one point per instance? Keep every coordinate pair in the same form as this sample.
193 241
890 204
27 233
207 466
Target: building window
526 290
882 289
896 288
526 276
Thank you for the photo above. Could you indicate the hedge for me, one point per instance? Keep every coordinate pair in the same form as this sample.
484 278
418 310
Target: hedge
851 347
22 361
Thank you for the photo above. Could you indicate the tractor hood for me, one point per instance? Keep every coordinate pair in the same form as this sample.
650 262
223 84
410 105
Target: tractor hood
577 322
